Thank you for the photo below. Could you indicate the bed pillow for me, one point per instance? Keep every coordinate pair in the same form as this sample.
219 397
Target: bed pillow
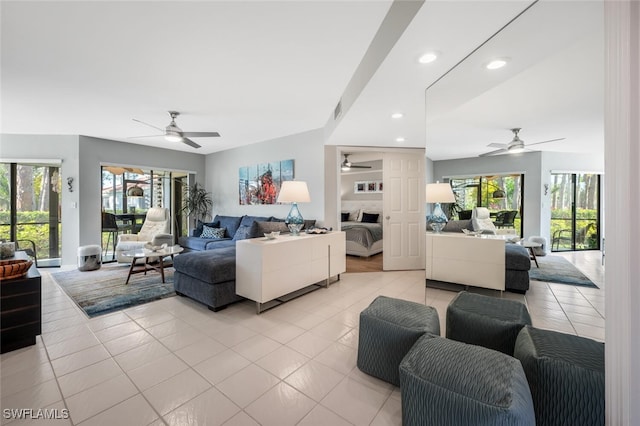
344 217
210 232
354 216
370 217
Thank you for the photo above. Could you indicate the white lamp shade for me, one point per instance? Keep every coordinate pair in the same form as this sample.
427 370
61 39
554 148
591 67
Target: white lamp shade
439 193
294 191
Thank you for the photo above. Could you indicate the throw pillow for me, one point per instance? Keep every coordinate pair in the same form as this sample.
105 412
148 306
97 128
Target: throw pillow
354 215
197 232
265 227
209 232
344 217
242 233
370 217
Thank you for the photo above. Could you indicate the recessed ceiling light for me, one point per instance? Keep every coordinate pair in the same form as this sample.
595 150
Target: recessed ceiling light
400 139
397 115
428 57
497 63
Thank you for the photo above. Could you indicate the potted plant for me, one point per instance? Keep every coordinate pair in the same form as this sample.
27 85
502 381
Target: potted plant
197 202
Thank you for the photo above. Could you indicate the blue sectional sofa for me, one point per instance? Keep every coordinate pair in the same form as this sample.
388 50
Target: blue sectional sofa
206 270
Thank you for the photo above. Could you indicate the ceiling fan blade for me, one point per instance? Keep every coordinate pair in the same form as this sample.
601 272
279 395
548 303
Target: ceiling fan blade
353 166
190 143
550 140
498 151
147 136
147 124
498 145
200 134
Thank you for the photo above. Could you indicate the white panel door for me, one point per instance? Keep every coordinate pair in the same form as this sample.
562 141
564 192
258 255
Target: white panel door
404 219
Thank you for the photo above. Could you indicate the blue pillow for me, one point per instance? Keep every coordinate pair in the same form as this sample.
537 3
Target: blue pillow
209 232
344 217
243 232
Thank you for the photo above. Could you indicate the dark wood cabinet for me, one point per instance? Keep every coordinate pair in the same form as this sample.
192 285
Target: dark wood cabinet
20 309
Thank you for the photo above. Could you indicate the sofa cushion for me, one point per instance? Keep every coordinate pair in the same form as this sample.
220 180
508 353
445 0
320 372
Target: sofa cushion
221 243
198 243
230 222
517 257
248 220
210 266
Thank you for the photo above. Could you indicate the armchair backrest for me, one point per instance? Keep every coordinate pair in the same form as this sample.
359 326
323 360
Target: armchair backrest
481 221
156 222
480 213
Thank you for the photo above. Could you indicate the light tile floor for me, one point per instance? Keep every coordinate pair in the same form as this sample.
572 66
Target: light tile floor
175 362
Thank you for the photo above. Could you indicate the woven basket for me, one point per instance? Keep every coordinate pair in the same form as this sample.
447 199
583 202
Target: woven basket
14 268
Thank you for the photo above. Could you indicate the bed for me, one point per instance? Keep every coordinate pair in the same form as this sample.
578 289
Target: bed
363 239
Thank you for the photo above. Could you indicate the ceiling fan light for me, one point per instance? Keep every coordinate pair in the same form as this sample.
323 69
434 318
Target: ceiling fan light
516 149
172 135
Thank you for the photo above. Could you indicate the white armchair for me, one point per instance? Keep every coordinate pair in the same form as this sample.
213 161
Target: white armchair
155 230
481 220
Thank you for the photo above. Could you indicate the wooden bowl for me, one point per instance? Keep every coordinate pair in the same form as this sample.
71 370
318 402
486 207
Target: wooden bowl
14 268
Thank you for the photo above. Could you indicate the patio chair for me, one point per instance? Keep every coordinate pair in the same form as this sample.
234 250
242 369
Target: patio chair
505 219
29 247
110 225
561 236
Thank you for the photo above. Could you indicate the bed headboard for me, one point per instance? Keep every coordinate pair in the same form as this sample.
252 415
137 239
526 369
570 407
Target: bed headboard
369 206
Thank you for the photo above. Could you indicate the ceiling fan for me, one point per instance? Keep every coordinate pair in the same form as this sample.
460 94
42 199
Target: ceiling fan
173 133
516 145
346 165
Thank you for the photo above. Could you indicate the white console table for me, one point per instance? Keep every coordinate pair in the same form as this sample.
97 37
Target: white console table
267 270
467 260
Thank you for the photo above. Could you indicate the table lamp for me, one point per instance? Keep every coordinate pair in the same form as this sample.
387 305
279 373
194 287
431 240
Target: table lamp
438 193
294 191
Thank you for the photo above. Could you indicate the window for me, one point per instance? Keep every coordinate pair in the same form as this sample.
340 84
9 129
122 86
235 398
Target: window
30 201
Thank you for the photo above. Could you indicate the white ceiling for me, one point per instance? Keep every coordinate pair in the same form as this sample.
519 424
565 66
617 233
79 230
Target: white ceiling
260 70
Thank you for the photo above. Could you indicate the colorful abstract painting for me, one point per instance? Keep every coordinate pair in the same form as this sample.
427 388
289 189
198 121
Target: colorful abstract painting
260 183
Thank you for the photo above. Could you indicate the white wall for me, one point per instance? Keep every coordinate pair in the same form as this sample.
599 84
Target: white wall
307 151
50 147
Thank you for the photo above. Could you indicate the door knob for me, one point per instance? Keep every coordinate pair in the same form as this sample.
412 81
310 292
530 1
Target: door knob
388 217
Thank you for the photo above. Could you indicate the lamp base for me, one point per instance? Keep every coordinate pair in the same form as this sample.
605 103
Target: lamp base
294 220
437 227
294 228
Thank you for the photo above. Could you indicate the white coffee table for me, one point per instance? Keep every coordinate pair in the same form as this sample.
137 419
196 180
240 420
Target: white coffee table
146 254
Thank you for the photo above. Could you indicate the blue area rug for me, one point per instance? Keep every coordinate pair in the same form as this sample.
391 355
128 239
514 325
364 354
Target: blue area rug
102 291
556 269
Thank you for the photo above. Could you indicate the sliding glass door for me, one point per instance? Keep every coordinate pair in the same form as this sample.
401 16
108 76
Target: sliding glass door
575 211
30 209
